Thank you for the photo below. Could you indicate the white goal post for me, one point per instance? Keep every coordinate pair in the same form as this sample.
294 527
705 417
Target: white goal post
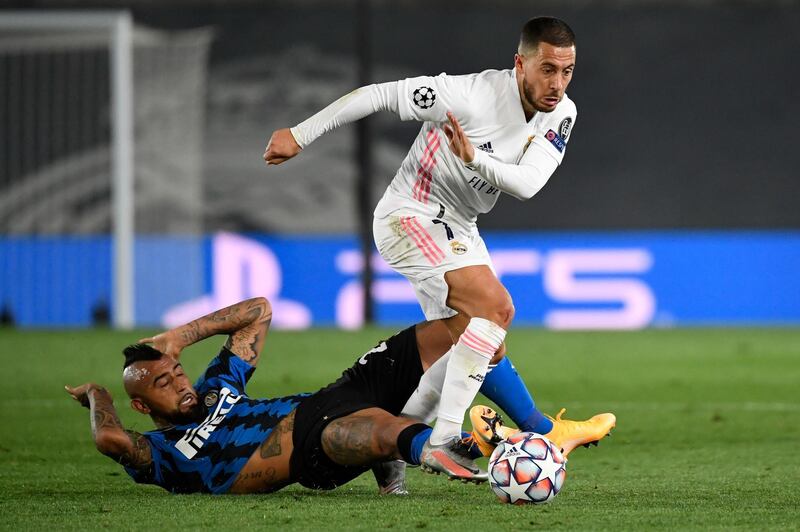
102 123
119 26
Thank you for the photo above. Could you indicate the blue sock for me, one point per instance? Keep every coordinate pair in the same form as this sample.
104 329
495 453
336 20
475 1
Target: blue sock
416 445
504 386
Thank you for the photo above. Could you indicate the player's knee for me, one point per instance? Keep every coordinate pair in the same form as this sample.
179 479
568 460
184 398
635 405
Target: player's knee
500 310
508 312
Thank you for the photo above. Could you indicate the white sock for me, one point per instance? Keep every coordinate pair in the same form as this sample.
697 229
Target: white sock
424 402
466 369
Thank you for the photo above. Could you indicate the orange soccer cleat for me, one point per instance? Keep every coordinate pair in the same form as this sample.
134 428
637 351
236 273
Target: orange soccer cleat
488 428
568 434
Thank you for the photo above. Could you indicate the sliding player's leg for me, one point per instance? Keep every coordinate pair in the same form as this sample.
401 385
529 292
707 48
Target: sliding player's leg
373 435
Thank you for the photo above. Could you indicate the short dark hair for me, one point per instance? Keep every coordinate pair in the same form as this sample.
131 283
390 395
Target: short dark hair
545 29
136 352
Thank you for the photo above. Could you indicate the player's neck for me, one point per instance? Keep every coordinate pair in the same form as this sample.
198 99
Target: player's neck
160 422
196 415
528 110
529 113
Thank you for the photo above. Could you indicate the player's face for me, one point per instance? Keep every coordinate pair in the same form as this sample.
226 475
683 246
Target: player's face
544 76
167 392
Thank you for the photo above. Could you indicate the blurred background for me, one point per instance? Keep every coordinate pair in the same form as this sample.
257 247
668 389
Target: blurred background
133 193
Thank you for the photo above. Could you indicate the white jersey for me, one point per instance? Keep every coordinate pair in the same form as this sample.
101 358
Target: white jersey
424 225
511 153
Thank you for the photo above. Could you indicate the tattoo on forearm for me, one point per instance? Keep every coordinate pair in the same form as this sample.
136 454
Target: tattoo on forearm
104 415
244 321
191 333
272 445
140 455
348 440
225 314
247 341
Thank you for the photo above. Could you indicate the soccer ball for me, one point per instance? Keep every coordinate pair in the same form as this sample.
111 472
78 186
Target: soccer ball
527 468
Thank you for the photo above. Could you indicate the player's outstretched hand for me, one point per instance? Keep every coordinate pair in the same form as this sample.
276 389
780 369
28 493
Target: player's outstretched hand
81 393
169 342
281 147
459 143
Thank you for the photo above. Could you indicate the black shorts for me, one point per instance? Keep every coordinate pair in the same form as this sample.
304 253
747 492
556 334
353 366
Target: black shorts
384 378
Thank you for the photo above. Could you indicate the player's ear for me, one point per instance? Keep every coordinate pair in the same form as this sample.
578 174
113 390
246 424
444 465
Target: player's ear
518 63
139 406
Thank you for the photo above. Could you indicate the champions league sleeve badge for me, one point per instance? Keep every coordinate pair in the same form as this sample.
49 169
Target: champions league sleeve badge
424 97
555 140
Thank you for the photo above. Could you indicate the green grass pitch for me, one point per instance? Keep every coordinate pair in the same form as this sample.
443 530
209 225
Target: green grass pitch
708 437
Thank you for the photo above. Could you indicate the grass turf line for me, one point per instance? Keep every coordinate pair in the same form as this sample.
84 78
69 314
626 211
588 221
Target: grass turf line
707 437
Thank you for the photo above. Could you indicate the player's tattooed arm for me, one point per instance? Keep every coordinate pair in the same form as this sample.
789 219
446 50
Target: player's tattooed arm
247 323
127 447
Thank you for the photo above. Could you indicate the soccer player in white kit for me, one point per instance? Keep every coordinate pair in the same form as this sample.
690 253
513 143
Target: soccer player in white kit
482 134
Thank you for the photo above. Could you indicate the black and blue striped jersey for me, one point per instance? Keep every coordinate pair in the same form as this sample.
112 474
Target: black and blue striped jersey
207 456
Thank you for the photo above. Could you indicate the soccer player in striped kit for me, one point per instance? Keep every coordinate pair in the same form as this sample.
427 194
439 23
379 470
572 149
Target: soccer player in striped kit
482 134
213 437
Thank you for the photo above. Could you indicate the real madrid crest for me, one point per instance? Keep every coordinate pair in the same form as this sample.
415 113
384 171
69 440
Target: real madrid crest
457 247
211 398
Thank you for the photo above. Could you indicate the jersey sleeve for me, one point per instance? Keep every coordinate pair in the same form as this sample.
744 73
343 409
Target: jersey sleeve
351 107
152 473
164 470
226 369
539 160
428 98
522 180
552 134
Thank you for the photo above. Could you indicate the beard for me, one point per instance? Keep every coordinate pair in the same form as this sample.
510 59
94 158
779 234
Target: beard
527 93
195 414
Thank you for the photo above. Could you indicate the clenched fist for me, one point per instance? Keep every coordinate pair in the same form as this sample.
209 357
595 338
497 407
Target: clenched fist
281 147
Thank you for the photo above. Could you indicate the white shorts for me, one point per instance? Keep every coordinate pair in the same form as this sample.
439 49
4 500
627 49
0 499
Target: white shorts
423 249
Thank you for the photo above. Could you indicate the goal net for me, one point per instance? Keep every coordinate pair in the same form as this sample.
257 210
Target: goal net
101 129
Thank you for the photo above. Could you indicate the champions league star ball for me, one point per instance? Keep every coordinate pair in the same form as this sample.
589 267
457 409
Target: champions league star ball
424 97
526 468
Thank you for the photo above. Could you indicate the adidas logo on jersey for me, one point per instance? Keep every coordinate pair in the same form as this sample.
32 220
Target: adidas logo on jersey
487 147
